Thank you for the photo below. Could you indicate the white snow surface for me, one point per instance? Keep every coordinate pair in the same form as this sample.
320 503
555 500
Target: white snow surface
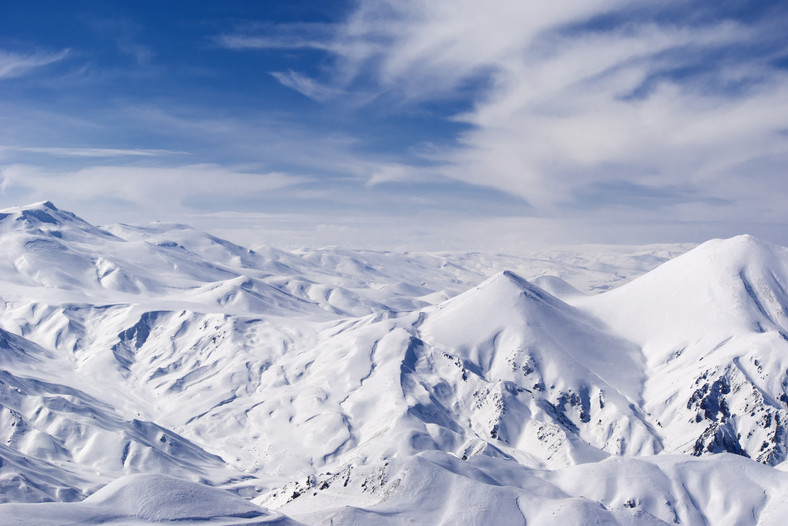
146 499
157 374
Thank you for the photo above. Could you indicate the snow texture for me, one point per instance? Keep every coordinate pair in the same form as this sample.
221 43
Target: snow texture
157 373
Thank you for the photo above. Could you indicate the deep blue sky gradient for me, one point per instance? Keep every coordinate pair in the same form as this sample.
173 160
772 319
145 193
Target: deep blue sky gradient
391 127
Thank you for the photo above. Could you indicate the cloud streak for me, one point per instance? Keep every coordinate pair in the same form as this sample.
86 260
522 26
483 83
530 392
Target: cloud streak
90 152
144 188
307 86
574 98
281 36
13 65
588 115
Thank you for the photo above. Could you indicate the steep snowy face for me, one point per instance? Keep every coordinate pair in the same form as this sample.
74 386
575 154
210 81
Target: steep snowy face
45 219
504 370
507 312
713 328
48 247
721 288
539 375
62 435
54 256
437 488
36 243
384 388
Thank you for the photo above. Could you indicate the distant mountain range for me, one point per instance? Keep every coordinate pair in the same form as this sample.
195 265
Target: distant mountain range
618 385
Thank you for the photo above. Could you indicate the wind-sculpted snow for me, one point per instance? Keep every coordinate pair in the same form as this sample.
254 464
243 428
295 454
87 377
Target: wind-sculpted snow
554 375
712 325
65 441
438 488
147 499
373 388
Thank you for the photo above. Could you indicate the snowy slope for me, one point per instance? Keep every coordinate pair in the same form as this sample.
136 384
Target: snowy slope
437 488
374 387
146 499
712 325
65 434
557 375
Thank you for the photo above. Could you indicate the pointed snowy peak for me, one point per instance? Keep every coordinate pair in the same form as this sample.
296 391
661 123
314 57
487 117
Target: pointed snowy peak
44 218
535 373
510 287
504 301
713 327
721 288
508 320
43 212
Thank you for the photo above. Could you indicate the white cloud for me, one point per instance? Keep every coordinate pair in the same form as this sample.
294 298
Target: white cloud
269 42
90 152
14 65
148 189
590 126
298 35
268 139
564 111
306 85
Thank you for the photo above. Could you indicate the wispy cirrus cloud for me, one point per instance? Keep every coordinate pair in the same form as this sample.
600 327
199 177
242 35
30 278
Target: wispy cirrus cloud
587 106
146 189
14 65
90 152
300 35
291 36
239 42
125 33
307 86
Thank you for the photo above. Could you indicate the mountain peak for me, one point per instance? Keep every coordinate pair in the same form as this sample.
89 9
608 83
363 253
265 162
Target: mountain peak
39 205
736 248
40 212
44 218
715 290
503 295
45 204
521 287
515 279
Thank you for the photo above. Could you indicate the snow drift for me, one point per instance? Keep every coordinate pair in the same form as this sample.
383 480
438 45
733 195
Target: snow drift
187 376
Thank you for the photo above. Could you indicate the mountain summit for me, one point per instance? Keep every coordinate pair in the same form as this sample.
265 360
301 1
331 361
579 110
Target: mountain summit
718 289
379 388
44 218
713 327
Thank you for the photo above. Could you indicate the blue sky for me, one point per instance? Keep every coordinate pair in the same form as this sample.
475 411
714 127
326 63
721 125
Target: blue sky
409 124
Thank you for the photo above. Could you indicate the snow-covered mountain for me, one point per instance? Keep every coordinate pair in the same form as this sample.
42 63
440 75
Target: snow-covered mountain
364 387
713 327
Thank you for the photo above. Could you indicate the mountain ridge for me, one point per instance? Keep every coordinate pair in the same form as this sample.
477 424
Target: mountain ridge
329 384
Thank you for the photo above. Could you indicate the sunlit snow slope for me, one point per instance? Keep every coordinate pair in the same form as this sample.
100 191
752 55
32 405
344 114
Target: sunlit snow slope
380 388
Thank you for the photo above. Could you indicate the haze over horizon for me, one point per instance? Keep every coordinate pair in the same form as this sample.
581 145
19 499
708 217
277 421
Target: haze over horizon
403 125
